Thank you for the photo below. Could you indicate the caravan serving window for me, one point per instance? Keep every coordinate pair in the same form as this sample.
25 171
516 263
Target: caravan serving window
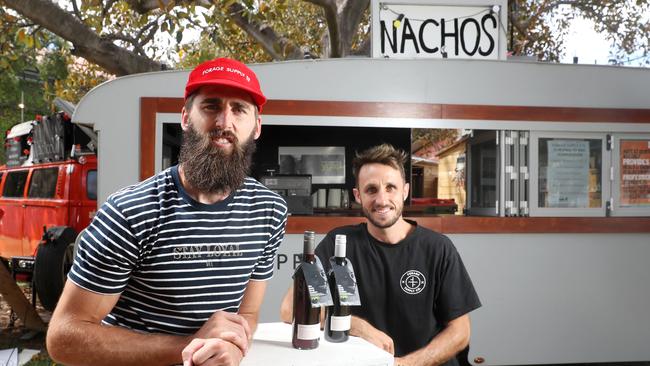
567 174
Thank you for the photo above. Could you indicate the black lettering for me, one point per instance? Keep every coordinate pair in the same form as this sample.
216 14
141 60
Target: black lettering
490 38
385 35
282 258
444 35
422 28
296 260
407 33
462 36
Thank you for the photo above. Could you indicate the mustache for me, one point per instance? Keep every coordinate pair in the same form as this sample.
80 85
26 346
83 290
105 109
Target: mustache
219 133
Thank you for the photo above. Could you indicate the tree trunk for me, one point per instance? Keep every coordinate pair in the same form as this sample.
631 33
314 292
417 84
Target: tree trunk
86 42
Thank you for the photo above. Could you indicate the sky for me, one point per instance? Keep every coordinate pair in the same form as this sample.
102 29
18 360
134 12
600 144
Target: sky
583 41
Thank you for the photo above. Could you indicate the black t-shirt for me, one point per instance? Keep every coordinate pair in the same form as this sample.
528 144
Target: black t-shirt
408 290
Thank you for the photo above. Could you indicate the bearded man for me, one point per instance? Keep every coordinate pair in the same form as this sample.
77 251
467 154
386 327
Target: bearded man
172 270
415 292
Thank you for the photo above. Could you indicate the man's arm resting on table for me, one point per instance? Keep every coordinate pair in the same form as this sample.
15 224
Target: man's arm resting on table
215 350
453 339
76 336
252 302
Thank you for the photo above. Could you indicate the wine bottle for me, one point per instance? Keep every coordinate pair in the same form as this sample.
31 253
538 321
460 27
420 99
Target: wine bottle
337 324
306 319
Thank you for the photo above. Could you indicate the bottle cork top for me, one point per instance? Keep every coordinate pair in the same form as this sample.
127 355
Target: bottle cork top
339 246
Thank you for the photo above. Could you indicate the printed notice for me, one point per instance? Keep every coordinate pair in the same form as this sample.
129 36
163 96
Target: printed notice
568 173
635 172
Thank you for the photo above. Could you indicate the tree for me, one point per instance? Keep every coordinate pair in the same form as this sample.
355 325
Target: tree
539 27
131 36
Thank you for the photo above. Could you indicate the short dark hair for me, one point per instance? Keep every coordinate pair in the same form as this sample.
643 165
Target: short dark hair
190 100
384 154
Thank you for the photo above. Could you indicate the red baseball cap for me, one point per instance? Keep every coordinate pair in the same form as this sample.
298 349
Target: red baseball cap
229 72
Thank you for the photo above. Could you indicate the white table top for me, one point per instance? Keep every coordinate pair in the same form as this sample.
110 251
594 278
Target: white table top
272 346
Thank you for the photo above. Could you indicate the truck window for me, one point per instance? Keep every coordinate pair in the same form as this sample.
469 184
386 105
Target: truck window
43 183
91 185
15 184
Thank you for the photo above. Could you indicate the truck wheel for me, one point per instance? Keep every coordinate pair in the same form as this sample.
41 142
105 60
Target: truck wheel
52 264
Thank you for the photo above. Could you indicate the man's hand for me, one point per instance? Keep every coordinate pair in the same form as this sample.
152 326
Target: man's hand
228 327
363 329
211 352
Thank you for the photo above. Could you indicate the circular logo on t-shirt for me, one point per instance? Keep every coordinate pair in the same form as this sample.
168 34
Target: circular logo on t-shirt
412 282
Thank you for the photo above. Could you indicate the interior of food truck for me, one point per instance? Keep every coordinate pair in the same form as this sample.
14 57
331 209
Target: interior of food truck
470 172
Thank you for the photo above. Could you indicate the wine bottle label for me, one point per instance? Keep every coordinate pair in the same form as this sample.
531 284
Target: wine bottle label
346 283
341 323
308 331
319 290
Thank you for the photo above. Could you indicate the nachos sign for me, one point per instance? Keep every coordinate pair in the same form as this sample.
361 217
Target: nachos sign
418 29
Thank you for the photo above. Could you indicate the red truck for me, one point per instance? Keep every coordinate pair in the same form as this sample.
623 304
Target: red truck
48 195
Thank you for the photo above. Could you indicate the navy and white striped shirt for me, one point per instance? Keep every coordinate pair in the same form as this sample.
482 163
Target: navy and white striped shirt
176 261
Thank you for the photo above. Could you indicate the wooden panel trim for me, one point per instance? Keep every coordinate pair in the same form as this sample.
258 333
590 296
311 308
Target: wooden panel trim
352 109
323 224
488 225
148 110
536 114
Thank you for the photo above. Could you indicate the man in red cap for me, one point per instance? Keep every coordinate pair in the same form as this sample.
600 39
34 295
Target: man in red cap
172 270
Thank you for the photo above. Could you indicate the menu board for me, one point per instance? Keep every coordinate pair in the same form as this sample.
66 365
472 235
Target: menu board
568 173
635 172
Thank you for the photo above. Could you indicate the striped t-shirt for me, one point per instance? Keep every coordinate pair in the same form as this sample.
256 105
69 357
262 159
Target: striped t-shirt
176 261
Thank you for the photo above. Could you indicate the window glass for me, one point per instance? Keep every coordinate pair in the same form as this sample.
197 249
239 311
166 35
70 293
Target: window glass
15 184
634 173
483 184
570 172
43 183
91 185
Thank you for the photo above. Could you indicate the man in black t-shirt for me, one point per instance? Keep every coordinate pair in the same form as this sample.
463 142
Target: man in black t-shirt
415 292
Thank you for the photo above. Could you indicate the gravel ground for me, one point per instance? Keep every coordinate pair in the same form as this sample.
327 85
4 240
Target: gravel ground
17 336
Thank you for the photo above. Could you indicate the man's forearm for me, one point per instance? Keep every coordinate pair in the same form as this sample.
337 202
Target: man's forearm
83 343
447 344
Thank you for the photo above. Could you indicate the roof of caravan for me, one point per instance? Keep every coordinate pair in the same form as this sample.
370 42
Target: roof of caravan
476 82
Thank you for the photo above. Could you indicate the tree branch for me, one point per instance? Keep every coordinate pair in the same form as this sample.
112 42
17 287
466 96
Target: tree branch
343 17
122 37
145 6
86 42
107 7
279 48
76 10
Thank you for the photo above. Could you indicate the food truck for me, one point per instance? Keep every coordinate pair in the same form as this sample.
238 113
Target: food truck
556 232
553 162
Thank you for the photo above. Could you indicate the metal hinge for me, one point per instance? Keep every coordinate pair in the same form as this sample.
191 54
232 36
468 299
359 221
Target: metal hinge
610 143
523 138
609 207
523 207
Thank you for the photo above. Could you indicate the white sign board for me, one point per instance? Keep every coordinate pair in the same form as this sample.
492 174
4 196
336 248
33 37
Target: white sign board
408 30
568 173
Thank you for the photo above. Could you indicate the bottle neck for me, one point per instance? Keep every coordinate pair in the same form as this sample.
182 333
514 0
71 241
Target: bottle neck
339 260
309 257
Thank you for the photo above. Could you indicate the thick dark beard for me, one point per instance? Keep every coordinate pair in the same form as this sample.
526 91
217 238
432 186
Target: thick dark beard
380 225
210 169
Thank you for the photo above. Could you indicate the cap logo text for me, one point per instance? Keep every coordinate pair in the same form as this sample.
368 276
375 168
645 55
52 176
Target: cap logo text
226 69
